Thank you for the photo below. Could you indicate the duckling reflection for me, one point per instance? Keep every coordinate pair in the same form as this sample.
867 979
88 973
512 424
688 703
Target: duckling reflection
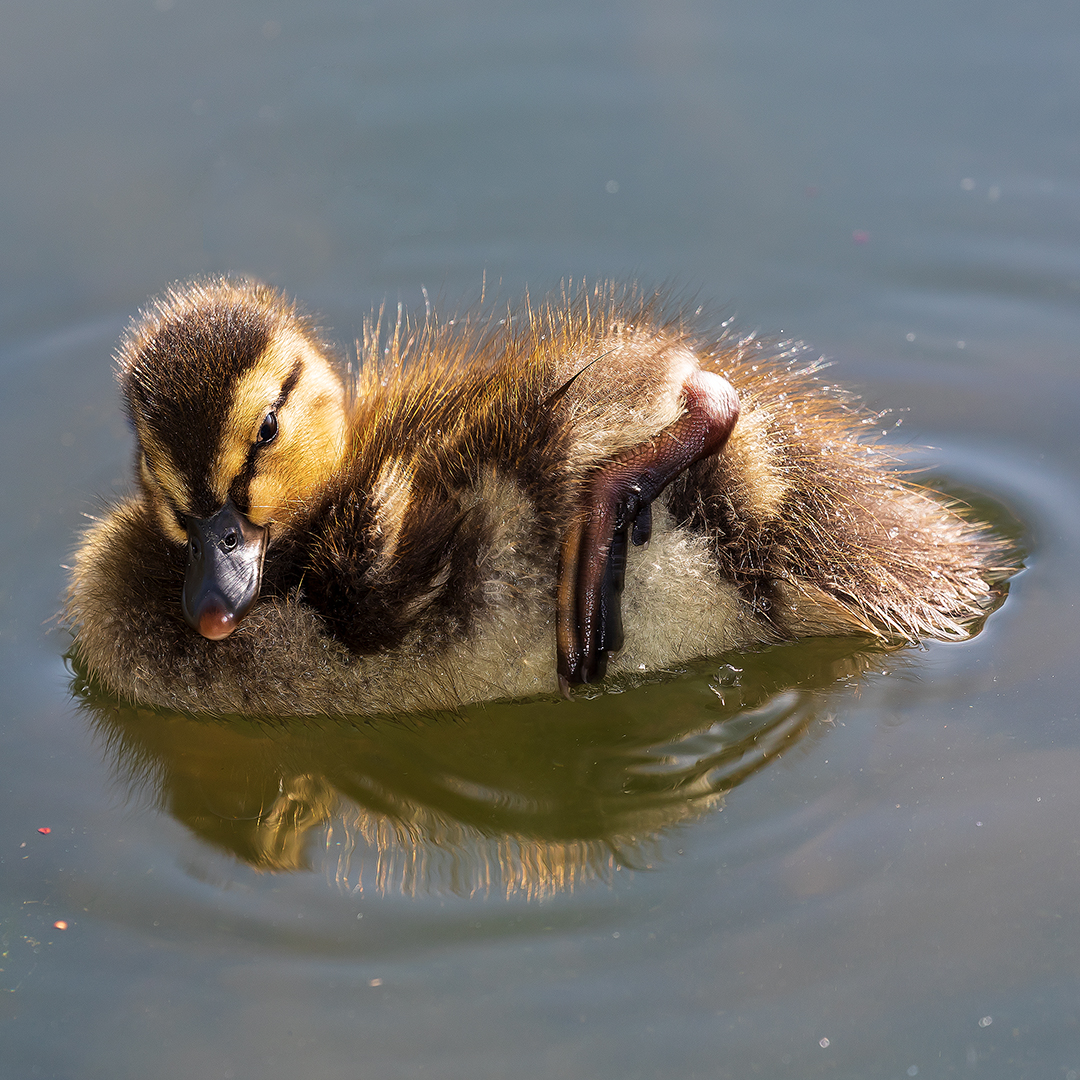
520 798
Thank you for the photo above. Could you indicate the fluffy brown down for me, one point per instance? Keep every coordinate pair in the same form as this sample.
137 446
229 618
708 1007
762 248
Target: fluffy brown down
416 567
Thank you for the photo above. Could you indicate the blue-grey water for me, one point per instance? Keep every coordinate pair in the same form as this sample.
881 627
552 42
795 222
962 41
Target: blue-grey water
803 863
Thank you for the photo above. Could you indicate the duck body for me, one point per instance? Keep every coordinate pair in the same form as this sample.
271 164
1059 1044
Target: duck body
465 519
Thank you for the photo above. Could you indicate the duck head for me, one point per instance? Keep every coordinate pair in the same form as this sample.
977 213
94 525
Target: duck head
239 419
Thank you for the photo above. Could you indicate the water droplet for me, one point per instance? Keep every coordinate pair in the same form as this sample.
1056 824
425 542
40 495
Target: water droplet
728 675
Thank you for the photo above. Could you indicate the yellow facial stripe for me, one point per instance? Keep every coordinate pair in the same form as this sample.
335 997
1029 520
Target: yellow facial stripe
256 391
165 490
167 520
157 468
310 437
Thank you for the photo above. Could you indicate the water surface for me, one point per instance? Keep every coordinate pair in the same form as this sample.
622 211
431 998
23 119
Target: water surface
819 860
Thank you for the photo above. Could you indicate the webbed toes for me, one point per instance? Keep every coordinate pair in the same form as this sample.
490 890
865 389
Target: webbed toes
617 510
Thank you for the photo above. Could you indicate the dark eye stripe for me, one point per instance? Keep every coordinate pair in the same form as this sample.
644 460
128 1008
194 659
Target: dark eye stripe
239 489
289 384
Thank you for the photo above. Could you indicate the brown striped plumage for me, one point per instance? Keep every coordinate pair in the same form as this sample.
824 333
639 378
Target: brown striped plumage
414 519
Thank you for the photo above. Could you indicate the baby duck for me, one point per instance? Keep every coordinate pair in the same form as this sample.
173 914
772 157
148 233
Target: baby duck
457 521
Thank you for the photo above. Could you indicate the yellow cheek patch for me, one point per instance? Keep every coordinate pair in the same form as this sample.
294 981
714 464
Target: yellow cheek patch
310 441
167 521
157 468
255 393
166 488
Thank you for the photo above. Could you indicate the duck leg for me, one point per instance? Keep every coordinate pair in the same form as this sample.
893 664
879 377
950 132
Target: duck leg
617 510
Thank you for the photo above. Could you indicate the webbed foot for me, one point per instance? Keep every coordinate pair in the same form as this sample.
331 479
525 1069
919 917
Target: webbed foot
617 511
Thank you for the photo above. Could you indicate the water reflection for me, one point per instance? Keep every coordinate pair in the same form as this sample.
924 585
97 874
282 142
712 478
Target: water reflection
528 797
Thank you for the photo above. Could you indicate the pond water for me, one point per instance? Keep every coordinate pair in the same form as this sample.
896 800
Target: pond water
811 861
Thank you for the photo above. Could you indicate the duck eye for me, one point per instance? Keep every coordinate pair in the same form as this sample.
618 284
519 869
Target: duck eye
268 431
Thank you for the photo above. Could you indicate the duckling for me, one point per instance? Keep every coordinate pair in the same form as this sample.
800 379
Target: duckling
482 509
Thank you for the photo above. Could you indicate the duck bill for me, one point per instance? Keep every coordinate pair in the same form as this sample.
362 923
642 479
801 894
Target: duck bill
224 571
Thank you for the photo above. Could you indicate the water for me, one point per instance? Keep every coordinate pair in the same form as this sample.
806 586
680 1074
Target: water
824 863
